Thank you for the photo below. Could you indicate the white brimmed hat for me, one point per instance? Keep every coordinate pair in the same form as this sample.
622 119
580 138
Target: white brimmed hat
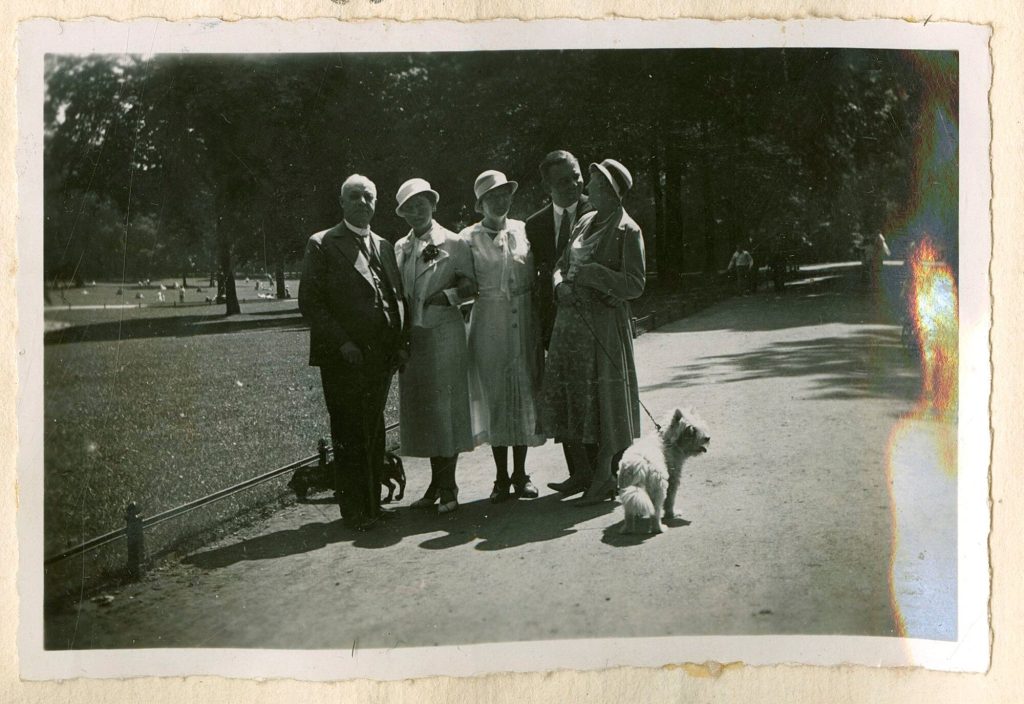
617 175
488 181
412 187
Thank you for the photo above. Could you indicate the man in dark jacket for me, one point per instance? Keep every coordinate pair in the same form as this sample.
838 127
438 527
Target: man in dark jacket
351 295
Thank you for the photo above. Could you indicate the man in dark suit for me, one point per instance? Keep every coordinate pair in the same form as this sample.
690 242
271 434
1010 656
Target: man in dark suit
351 295
549 230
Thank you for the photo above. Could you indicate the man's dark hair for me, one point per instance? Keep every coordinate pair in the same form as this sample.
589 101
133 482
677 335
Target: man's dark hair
556 157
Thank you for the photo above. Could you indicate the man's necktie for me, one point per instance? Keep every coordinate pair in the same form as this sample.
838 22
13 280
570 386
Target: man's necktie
564 227
361 241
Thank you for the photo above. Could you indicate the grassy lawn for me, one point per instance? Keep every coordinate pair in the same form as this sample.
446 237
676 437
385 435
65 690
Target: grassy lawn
164 405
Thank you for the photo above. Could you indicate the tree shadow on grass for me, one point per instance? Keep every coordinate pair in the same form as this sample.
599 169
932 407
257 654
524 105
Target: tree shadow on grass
175 326
866 364
494 527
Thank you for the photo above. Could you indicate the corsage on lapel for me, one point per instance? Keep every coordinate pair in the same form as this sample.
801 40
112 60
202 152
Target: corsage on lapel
430 253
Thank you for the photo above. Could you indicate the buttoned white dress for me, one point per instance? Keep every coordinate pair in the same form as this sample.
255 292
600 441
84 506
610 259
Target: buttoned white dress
504 345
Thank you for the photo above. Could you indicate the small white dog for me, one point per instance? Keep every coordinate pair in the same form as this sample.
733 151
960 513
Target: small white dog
650 469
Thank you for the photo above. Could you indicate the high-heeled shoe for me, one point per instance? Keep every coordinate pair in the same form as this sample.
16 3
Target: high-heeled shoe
500 492
449 501
523 488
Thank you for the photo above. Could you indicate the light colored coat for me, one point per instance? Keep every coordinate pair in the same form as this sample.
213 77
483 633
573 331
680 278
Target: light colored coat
434 403
504 344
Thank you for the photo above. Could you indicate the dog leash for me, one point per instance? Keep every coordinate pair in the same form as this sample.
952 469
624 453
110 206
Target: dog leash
593 333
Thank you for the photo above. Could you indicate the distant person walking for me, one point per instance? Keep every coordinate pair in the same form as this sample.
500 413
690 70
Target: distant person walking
351 293
589 396
875 251
437 276
549 231
741 265
503 344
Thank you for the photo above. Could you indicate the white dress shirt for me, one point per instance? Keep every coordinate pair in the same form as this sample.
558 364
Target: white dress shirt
557 211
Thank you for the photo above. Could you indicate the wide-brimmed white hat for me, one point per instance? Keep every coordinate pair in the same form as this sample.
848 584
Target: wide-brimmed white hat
617 175
412 187
488 181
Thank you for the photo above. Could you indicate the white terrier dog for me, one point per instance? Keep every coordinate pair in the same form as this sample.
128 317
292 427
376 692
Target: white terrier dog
650 469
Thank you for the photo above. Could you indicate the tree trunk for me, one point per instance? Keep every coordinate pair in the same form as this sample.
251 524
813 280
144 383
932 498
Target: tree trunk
279 277
227 276
710 261
674 210
660 229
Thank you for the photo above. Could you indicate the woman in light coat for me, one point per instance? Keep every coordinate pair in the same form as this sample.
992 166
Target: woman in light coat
434 412
504 344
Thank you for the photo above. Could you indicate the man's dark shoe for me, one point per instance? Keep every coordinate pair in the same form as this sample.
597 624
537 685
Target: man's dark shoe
353 521
559 486
575 485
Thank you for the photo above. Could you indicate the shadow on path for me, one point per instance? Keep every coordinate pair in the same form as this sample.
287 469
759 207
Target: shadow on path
866 364
494 527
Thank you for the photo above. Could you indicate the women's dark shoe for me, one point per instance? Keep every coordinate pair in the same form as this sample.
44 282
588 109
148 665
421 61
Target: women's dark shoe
524 488
448 506
500 493
449 501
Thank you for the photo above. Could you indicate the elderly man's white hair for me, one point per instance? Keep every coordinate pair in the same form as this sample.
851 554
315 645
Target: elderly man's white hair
356 179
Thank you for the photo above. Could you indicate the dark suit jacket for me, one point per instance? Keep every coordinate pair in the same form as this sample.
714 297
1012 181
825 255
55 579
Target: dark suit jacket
540 230
337 297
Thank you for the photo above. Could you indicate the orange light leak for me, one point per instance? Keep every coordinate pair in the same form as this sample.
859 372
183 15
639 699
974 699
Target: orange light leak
933 305
922 459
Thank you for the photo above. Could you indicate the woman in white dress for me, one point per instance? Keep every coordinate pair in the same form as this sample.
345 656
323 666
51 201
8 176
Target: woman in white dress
504 345
434 407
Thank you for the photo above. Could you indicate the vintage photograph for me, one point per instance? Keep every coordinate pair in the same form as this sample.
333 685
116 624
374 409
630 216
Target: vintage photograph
393 342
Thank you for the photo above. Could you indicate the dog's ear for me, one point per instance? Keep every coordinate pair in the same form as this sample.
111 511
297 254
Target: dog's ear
674 428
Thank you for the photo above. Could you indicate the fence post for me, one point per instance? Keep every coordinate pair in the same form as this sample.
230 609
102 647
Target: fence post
133 532
321 450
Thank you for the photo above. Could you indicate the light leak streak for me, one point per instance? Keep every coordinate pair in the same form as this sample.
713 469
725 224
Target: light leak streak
922 462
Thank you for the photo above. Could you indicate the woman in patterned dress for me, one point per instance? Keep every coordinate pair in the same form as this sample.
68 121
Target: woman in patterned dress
504 344
589 398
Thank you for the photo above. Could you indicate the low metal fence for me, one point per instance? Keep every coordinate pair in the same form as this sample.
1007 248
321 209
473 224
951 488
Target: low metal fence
135 525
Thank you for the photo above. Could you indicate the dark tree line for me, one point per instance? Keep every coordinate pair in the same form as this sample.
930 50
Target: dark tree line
187 163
